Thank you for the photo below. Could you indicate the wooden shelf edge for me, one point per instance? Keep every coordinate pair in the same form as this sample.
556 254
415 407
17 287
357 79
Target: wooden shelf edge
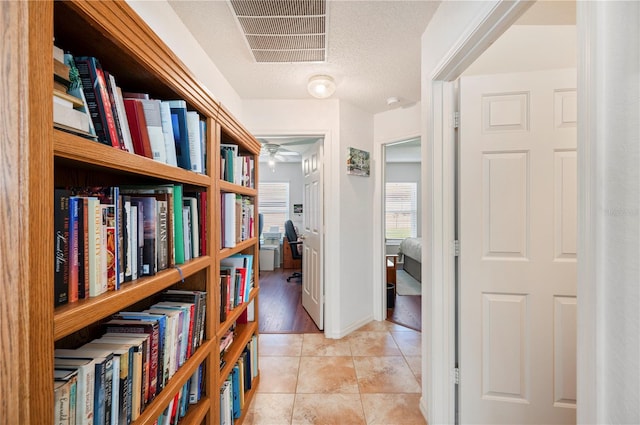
182 375
76 148
196 412
241 246
75 316
226 186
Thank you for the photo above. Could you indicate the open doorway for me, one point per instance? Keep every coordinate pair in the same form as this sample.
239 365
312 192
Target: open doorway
402 232
282 198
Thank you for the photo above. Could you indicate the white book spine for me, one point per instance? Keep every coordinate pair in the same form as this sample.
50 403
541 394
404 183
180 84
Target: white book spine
167 131
195 151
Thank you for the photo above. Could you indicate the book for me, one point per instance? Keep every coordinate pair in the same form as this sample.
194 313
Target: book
83 248
228 153
192 204
229 220
151 109
70 117
61 246
178 110
140 377
122 114
124 384
85 386
95 245
95 91
195 147
111 258
75 89
74 235
150 246
104 370
167 132
138 127
199 299
177 224
150 327
62 399
186 232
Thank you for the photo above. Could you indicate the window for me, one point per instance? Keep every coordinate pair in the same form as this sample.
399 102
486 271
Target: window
401 210
273 204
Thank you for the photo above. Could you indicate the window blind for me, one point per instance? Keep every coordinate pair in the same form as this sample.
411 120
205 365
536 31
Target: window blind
401 210
273 204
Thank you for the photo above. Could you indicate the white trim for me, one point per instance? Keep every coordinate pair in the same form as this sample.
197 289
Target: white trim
587 365
438 308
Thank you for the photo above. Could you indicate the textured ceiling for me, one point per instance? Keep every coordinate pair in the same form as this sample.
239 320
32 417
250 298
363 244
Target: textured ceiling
373 52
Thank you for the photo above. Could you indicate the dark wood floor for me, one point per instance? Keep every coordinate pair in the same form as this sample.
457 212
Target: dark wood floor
281 311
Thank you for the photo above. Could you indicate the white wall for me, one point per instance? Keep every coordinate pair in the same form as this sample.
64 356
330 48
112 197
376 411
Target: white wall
290 172
356 205
160 16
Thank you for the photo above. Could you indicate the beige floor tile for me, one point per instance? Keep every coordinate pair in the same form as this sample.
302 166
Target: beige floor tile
378 326
270 409
392 409
327 375
328 409
280 344
318 345
409 342
278 374
385 375
369 343
416 367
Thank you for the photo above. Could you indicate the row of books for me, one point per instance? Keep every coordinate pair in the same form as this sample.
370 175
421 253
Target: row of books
163 130
236 282
239 381
237 219
110 380
106 236
236 168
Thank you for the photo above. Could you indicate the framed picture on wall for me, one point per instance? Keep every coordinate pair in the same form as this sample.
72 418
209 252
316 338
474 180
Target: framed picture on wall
358 162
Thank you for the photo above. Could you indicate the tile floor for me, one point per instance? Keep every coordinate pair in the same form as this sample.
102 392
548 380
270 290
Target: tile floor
372 376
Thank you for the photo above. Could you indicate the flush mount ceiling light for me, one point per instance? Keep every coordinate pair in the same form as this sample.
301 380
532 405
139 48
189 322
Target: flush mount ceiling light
321 86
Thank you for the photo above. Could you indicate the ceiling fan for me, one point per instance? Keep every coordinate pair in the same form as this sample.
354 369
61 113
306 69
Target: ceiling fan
276 152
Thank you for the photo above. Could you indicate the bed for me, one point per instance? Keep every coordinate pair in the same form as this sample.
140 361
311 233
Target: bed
411 251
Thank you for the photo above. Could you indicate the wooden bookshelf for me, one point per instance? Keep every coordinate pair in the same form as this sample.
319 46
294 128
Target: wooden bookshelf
36 158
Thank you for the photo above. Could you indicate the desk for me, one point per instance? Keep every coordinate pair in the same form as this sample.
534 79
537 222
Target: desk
391 268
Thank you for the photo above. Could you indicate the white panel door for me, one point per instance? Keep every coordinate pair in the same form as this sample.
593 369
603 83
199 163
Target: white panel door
312 235
517 229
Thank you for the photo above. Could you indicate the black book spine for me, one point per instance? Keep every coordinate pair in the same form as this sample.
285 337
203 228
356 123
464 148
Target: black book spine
61 246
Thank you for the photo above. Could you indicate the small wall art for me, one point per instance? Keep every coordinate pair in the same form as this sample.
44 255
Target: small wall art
358 163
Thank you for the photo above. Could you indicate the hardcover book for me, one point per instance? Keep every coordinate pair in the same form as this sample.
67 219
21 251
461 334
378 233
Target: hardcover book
61 246
180 132
95 91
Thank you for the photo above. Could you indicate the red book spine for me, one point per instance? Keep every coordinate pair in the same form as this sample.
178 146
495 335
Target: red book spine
138 127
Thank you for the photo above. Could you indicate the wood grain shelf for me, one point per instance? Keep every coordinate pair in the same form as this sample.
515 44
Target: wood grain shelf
40 158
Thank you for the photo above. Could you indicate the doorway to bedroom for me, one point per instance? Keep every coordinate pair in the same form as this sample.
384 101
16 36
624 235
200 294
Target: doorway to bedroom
402 232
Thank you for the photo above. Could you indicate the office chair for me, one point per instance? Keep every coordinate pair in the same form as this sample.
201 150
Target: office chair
294 243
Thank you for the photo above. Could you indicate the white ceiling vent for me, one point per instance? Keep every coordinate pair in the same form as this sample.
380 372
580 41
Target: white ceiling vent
283 30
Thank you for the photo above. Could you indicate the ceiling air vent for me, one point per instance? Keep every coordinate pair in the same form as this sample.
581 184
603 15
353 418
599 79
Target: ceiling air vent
283 31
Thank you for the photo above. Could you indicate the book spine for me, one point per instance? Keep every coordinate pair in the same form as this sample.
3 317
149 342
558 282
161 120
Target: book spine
162 235
74 228
61 247
97 97
178 242
94 224
180 133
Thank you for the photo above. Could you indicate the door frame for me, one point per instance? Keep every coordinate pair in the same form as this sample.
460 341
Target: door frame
328 261
439 174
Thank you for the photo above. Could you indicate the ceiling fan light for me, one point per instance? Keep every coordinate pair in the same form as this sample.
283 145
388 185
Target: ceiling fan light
321 86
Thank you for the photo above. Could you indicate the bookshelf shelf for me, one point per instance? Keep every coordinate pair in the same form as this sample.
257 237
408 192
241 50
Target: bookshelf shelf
72 317
226 186
88 153
40 159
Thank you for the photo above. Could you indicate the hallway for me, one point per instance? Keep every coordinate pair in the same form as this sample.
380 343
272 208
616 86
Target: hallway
372 376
